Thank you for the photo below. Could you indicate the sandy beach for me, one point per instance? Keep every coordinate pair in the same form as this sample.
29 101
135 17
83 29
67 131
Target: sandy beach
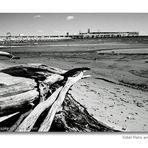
116 93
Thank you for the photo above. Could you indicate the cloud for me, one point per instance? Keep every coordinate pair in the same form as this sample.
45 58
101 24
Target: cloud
37 16
40 31
68 18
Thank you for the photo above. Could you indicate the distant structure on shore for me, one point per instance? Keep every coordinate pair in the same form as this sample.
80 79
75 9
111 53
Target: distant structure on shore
90 34
86 35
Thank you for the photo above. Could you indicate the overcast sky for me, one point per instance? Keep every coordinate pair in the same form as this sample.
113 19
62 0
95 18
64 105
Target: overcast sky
60 23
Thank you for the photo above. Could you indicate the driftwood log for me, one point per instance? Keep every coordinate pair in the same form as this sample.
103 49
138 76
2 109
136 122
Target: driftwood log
35 97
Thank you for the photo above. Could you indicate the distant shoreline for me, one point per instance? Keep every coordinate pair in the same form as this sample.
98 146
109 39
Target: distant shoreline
136 39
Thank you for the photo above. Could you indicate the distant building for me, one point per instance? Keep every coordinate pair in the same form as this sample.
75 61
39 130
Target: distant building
8 35
90 34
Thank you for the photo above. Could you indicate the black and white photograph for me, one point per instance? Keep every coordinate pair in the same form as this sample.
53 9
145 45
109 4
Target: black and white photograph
74 72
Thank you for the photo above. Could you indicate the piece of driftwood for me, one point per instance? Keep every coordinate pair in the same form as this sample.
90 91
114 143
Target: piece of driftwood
17 102
45 126
7 117
7 79
7 54
74 71
53 78
34 71
19 121
30 120
9 90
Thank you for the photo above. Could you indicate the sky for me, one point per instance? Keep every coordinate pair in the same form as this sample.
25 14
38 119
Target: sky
61 23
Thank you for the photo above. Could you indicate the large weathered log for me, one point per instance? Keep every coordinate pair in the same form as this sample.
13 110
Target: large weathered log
36 71
9 90
30 120
17 102
11 86
45 126
6 79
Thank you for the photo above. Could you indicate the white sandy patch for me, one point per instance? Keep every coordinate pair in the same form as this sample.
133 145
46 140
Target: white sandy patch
119 107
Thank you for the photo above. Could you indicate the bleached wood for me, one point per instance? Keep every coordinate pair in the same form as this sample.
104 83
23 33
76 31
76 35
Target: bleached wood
18 122
30 120
86 76
7 117
10 90
15 103
53 78
6 79
45 126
